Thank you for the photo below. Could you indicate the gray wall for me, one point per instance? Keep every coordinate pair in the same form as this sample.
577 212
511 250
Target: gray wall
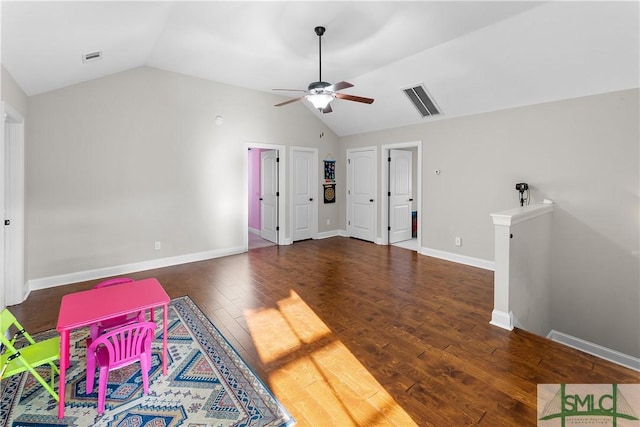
117 163
582 153
12 93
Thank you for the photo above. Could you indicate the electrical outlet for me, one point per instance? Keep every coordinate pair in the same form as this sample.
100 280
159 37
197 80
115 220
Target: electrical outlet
458 241
328 221
158 245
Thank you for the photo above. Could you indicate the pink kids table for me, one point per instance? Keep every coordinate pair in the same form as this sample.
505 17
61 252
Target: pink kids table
83 308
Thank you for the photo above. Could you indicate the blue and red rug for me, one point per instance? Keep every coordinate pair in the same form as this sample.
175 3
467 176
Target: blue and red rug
208 384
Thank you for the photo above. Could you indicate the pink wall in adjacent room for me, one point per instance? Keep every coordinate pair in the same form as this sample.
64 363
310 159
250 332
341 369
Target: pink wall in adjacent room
254 188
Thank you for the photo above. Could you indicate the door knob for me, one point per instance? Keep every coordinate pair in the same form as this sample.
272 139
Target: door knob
260 198
371 200
311 199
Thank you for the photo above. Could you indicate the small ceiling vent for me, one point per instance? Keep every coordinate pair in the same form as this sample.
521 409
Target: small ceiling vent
419 98
93 56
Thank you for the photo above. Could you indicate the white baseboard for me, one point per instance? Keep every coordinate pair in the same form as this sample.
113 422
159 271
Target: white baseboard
460 259
596 350
502 320
332 233
82 276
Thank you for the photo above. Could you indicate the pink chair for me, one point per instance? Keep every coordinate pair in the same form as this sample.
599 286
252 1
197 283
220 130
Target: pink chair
99 328
117 348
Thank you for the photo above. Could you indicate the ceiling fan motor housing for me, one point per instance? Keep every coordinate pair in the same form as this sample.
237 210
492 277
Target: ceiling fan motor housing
318 87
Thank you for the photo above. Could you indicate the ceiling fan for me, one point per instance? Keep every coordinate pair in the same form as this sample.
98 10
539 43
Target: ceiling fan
320 93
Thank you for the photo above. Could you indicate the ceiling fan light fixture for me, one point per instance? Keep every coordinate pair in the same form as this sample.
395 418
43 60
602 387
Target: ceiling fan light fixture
320 93
320 100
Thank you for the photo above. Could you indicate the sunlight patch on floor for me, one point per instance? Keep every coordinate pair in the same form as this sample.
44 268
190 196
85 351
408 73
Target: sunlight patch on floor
302 320
263 323
313 374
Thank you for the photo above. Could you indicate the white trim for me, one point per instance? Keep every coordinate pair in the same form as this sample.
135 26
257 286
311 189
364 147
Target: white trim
286 241
517 215
82 276
332 233
596 350
460 259
502 320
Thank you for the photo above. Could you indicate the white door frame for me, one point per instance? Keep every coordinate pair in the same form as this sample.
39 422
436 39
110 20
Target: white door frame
282 218
314 185
375 191
12 263
384 206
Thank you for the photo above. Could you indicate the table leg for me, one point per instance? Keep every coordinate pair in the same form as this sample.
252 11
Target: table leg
164 339
64 364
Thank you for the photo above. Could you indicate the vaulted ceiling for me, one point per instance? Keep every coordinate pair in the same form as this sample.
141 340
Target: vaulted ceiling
472 57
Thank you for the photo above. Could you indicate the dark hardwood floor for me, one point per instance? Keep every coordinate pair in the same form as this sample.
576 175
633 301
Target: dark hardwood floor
346 332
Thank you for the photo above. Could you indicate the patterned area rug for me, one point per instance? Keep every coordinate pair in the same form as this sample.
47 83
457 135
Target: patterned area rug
208 384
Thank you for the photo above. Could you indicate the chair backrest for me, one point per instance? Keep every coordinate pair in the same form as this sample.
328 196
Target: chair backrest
114 281
27 356
9 325
114 322
6 320
125 344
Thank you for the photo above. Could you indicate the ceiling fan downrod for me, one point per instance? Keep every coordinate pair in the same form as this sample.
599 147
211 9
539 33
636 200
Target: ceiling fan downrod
320 31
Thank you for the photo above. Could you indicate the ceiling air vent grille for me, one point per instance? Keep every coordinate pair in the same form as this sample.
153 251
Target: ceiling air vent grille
93 56
419 98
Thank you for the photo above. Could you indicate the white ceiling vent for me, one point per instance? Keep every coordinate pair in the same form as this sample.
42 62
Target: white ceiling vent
423 102
92 56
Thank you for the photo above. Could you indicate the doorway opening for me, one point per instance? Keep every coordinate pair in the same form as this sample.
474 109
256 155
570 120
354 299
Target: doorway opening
265 195
401 208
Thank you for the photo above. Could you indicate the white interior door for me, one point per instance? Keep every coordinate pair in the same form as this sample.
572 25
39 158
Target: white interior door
361 194
400 195
269 195
5 288
12 268
304 193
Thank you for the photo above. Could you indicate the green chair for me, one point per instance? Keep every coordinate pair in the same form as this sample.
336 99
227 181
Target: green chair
29 354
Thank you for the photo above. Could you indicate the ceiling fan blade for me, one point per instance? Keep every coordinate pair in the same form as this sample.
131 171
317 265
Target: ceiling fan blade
327 109
354 98
339 86
289 101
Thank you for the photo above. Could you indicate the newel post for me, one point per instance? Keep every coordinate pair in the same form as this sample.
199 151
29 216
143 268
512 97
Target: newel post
521 271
